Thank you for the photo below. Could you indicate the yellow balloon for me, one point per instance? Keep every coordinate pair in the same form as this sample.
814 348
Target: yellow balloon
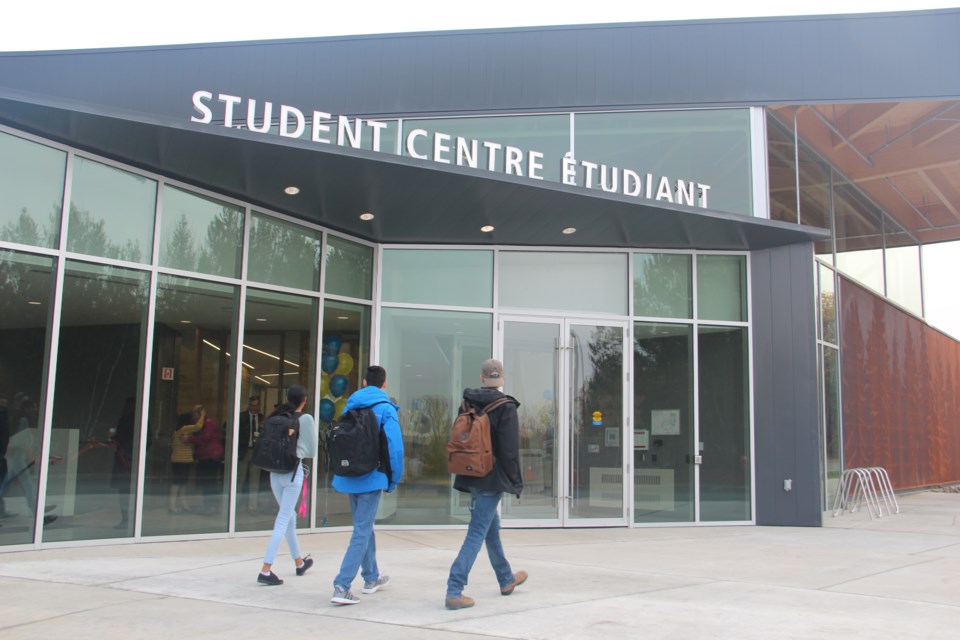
339 405
324 385
345 365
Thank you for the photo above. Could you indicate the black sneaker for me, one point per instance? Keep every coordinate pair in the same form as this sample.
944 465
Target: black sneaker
271 579
307 563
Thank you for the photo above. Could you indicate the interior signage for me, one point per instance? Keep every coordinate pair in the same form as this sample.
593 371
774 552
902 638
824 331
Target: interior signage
324 128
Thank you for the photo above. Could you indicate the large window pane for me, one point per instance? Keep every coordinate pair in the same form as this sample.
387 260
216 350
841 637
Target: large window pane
859 236
722 287
345 356
832 429
662 285
558 281
26 292
279 349
828 306
98 400
283 253
724 424
663 437
707 147
191 391
200 234
545 134
430 357
31 192
111 212
454 277
902 264
940 300
349 268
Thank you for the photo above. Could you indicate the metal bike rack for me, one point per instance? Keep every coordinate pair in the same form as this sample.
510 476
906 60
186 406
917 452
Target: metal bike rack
867 485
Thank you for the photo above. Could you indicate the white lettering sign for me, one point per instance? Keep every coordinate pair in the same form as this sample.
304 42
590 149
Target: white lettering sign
443 148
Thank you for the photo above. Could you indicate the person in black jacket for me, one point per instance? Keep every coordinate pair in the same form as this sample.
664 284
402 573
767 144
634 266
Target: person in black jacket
485 492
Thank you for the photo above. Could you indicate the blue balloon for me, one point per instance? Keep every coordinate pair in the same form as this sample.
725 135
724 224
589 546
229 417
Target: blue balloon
325 410
339 386
331 344
329 362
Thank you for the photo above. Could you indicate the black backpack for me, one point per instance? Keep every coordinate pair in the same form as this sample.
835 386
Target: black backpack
358 445
276 448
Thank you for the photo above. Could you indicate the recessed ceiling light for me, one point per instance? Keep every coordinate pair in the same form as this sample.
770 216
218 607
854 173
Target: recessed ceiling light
487 228
261 319
292 190
184 322
569 230
33 302
343 317
366 216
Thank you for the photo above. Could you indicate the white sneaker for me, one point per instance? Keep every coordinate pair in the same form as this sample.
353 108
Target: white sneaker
371 587
343 596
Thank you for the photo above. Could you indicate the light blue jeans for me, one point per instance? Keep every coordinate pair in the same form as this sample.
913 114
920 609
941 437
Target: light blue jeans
362 550
484 527
286 489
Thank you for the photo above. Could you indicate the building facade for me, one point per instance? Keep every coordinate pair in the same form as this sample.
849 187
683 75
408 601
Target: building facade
672 249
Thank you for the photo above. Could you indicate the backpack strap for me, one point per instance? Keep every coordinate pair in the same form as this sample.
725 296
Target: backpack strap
496 404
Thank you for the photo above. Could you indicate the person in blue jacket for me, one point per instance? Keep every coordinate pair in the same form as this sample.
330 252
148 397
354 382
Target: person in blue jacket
365 491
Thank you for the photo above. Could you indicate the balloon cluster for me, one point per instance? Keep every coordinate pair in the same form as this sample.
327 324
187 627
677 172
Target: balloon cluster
334 367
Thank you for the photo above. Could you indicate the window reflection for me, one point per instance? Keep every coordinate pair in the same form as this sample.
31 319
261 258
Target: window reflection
663 392
279 350
430 357
111 212
283 253
31 192
96 414
191 399
349 268
724 424
662 285
200 234
26 292
344 358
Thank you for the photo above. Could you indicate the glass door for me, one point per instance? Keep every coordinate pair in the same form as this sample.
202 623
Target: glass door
569 377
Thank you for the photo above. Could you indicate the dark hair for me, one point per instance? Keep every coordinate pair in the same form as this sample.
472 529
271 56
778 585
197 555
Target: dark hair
375 376
185 418
295 395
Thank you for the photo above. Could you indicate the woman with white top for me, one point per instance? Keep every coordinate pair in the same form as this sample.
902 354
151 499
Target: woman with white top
286 489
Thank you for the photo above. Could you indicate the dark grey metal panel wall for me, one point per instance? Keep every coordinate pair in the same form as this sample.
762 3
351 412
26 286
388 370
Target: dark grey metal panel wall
744 61
785 386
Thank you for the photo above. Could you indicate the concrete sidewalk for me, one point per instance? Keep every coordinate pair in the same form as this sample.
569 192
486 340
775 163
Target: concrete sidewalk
894 577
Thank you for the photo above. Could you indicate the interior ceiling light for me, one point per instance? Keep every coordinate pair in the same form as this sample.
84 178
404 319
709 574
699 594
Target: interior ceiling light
366 216
292 190
569 230
343 317
33 302
261 319
186 322
487 228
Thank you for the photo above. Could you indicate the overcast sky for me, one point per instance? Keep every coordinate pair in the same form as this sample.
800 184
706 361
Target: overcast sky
29 25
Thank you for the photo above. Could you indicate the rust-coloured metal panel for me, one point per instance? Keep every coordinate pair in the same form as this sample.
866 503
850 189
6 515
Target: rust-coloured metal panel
900 382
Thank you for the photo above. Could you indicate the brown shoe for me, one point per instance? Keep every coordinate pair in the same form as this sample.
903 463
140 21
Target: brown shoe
463 602
518 579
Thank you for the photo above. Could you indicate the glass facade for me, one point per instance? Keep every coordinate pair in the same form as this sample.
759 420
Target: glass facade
157 354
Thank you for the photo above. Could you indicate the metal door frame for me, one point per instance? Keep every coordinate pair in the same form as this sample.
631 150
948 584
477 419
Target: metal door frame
563 436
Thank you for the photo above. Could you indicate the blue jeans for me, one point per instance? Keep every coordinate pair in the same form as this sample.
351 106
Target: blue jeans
484 527
362 550
286 489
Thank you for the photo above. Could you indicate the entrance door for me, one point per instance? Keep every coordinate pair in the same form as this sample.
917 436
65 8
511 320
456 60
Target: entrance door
569 377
